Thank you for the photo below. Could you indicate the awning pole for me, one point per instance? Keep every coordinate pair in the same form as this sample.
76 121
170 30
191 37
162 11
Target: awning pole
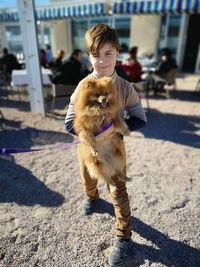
30 44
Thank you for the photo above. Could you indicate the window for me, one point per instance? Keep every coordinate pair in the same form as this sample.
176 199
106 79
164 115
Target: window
122 26
79 27
173 33
169 32
14 39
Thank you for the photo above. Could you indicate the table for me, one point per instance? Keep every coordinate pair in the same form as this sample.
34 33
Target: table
19 77
19 81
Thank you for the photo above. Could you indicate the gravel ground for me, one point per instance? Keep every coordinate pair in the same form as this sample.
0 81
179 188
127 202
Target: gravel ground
41 223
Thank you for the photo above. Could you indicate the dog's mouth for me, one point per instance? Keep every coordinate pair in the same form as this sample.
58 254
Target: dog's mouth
104 104
103 101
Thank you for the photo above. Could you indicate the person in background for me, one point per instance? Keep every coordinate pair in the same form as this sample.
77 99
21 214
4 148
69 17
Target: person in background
132 67
166 63
49 55
43 58
59 58
10 63
69 71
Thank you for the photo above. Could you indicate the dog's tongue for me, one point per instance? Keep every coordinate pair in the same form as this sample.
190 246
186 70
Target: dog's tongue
104 104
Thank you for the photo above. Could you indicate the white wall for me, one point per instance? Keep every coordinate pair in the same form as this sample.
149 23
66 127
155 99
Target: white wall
61 36
145 31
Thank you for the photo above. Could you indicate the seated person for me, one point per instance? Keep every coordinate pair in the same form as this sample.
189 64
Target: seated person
121 72
59 58
132 67
69 72
167 63
43 58
10 63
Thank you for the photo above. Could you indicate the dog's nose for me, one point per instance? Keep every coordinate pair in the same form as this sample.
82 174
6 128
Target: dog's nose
104 99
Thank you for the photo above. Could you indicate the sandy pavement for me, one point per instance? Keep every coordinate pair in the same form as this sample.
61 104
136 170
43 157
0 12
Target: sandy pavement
41 223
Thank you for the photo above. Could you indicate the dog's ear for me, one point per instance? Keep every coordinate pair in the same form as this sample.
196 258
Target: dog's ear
91 83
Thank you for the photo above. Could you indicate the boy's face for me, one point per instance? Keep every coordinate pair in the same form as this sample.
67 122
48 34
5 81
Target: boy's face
104 60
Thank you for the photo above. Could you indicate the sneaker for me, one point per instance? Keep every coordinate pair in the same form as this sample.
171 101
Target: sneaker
120 252
88 206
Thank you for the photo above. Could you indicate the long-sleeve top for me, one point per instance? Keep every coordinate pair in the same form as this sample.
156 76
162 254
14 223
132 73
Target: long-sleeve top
128 100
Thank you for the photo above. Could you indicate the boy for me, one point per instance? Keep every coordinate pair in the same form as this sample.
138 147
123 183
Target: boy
103 47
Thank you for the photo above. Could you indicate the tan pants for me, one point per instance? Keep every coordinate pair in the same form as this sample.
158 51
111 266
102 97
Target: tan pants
119 197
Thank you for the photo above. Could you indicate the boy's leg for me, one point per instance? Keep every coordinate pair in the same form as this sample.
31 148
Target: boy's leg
119 197
89 184
122 247
90 189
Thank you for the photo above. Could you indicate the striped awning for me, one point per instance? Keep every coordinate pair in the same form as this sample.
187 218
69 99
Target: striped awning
61 11
156 7
5 15
93 9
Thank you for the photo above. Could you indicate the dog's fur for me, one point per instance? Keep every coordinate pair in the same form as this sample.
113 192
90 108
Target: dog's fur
96 104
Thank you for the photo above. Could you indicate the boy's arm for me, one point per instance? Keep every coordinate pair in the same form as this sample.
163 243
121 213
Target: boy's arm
70 116
69 119
136 115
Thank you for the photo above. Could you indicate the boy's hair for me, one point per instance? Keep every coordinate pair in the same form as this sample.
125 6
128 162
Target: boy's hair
99 35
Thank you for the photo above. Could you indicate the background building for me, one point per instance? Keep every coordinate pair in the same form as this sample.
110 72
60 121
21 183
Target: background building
151 25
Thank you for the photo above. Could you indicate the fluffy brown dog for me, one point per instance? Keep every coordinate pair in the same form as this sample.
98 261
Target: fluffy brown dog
97 107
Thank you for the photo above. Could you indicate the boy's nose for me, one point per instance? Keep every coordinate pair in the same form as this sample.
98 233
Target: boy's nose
100 61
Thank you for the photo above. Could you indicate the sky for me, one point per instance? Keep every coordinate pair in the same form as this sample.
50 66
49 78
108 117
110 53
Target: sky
13 3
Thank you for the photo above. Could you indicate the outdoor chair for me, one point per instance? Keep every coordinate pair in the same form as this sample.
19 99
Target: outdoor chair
61 91
197 87
142 90
1 114
167 83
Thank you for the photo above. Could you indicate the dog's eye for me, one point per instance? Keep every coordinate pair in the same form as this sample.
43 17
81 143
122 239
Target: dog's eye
97 94
105 93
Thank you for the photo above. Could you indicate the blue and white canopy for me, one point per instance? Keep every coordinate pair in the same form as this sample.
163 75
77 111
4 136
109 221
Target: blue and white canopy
156 7
107 7
59 11
66 11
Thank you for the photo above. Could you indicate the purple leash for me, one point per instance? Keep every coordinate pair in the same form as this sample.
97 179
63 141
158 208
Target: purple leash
7 151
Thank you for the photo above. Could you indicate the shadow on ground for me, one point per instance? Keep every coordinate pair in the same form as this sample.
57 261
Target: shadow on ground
182 95
169 252
163 250
14 136
175 128
15 103
19 185
191 96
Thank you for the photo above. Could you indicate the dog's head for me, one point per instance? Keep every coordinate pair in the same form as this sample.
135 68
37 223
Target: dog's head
97 95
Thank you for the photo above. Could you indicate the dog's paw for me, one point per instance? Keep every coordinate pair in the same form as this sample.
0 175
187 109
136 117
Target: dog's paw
95 153
126 132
